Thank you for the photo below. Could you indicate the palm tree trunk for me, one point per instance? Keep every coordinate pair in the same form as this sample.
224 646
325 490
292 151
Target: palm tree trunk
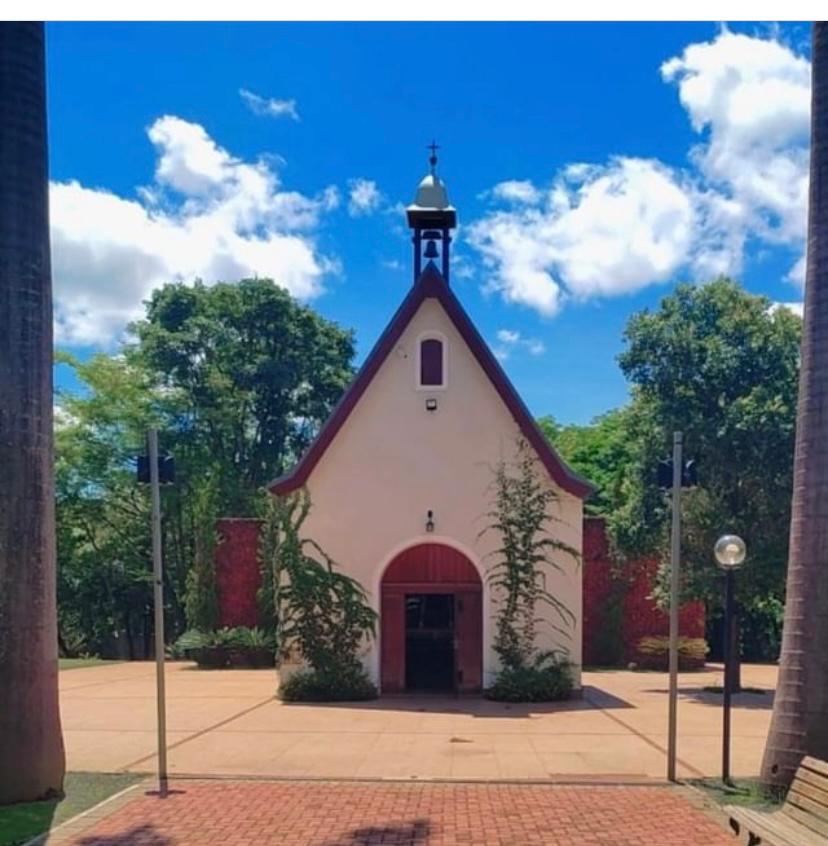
31 745
800 713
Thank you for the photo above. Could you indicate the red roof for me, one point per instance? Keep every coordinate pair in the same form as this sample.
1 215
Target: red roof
432 284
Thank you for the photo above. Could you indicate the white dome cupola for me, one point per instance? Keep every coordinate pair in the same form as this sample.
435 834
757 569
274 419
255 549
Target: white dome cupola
432 217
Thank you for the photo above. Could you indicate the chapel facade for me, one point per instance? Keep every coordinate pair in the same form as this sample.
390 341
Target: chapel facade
401 482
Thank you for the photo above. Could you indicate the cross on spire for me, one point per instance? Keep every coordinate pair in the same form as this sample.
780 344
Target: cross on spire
434 147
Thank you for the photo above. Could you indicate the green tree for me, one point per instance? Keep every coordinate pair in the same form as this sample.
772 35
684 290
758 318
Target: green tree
254 374
599 451
720 365
31 746
800 712
104 578
237 378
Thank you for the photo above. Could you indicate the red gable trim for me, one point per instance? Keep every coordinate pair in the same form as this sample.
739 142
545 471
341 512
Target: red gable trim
432 284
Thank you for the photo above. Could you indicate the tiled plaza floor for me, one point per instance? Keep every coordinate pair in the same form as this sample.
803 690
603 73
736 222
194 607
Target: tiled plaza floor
233 813
228 723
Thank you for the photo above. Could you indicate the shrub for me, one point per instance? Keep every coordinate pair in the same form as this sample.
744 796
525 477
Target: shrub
252 648
654 652
351 685
254 638
214 651
238 647
189 642
541 682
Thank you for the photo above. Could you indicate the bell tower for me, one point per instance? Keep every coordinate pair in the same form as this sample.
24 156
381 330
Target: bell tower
431 218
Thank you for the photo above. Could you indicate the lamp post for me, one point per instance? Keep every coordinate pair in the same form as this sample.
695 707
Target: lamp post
730 551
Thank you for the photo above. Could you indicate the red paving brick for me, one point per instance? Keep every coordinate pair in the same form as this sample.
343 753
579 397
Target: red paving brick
358 814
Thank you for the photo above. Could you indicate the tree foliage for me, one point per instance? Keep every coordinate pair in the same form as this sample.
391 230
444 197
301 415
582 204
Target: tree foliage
237 378
720 365
599 452
254 375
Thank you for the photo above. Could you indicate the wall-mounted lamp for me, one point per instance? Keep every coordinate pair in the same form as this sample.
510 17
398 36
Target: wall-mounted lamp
431 404
429 520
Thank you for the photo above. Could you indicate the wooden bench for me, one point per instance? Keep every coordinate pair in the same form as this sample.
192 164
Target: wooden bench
801 821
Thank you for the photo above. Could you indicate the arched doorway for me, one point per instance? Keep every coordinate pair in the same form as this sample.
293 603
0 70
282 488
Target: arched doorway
431 621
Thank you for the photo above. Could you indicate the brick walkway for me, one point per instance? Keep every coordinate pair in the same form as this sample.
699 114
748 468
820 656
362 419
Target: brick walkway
228 813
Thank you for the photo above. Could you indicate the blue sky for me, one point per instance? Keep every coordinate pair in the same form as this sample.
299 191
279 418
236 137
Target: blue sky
593 166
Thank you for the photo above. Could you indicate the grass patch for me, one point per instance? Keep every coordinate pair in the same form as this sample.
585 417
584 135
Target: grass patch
19 823
746 792
75 663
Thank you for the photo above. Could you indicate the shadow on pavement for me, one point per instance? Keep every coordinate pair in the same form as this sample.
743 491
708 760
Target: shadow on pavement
142 835
740 700
476 706
405 834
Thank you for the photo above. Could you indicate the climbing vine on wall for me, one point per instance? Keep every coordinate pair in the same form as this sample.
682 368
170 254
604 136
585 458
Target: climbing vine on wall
201 598
316 610
522 519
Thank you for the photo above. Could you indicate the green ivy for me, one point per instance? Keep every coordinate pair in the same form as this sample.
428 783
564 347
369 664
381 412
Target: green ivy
319 612
521 519
201 606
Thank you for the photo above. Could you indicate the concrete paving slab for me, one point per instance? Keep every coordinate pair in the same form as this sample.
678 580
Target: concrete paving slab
183 715
227 722
107 751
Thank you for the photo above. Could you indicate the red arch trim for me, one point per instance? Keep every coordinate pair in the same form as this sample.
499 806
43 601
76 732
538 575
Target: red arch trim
431 563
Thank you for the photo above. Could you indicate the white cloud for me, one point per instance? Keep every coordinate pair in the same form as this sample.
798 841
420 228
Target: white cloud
208 215
364 197
597 231
511 339
612 228
751 98
518 191
269 106
797 272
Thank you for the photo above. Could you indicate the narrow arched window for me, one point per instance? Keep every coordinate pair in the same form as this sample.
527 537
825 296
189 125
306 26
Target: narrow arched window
431 363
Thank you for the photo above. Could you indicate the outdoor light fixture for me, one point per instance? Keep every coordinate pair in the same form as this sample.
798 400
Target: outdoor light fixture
431 404
730 551
429 520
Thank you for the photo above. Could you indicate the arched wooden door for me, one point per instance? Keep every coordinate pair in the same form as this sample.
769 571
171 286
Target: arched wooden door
437 572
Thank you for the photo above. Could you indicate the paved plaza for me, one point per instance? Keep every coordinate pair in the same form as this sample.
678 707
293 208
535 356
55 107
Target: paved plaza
226 813
227 722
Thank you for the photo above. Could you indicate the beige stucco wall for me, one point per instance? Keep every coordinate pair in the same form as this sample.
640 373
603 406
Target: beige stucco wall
392 461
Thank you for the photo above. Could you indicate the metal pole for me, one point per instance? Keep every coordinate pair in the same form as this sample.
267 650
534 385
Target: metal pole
728 676
675 552
158 602
418 253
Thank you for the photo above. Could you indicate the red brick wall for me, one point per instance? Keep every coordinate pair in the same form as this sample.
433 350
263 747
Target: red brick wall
238 579
633 584
237 571
598 587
